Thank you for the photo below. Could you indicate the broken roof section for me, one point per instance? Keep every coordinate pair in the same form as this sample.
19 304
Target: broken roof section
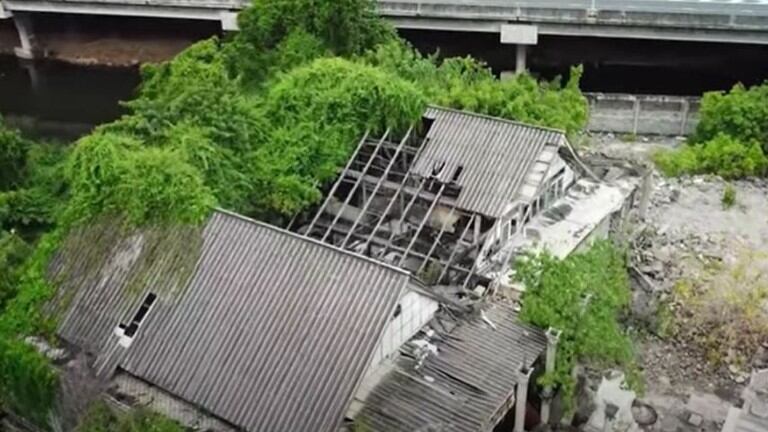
461 378
495 156
272 332
424 202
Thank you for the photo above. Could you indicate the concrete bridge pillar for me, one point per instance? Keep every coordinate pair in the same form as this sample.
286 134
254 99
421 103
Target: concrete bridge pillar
23 22
522 36
520 57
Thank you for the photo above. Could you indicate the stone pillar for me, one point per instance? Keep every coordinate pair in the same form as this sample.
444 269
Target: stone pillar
553 337
635 114
645 193
34 76
521 398
23 22
520 57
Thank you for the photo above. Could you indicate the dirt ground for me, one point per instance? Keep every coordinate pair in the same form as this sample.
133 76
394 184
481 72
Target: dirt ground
689 225
107 51
98 43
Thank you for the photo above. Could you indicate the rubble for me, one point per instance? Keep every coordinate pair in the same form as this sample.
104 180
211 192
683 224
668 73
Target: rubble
56 355
688 235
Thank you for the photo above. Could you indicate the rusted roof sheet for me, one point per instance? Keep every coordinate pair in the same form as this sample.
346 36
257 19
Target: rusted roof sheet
460 388
272 331
495 154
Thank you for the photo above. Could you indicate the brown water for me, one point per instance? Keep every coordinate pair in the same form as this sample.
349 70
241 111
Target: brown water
58 100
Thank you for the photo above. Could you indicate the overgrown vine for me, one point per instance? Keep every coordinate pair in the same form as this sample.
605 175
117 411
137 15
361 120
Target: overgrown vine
583 296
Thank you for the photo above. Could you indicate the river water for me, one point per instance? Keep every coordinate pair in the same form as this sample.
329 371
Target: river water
61 101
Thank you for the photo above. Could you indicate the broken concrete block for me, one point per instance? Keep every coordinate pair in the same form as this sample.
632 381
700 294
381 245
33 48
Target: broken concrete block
695 420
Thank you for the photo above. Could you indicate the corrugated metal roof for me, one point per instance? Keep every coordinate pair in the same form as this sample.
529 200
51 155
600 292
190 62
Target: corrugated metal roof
462 386
495 154
272 332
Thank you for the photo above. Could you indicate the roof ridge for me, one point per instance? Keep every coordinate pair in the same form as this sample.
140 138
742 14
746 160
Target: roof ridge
499 119
308 239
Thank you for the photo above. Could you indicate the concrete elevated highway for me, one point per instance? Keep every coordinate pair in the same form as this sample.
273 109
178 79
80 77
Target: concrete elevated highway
517 22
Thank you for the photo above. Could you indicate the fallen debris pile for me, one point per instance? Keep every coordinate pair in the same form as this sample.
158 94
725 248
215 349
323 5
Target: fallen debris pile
700 274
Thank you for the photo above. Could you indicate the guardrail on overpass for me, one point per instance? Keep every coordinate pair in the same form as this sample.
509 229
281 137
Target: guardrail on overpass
740 21
686 20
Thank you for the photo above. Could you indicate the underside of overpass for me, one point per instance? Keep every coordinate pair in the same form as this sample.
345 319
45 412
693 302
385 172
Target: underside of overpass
611 64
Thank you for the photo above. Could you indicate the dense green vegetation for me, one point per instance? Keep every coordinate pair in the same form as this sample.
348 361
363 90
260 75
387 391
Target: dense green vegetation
731 139
583 296
100 418
465 83
258 124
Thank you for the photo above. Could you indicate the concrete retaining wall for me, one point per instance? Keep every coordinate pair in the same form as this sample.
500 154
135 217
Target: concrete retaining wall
642 114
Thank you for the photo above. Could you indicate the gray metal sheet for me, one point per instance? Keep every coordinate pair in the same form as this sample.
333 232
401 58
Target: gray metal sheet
462 386
496 155
273 332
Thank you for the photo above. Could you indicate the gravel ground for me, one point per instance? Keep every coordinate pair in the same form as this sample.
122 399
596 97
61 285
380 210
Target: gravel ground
687 225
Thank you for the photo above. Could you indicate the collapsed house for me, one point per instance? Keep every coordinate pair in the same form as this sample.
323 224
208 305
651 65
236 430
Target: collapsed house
374 312
461 194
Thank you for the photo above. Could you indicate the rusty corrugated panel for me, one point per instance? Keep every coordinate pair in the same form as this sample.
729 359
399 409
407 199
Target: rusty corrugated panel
461 387
495 154
272 332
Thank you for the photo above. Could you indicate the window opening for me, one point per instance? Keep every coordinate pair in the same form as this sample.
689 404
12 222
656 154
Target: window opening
131 329
457 173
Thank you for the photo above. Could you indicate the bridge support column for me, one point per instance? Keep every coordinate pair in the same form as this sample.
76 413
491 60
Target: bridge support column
23 22
521 35
520 57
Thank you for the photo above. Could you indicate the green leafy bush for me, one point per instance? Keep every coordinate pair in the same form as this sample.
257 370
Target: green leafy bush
100 418
723 155
113 173
13 253
741 113
466 83
583 296
194 88
729 196
27 382
343 28
337 92
31 207
319 111
13 150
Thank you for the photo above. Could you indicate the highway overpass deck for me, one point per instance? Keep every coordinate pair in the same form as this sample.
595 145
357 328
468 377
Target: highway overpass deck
517 22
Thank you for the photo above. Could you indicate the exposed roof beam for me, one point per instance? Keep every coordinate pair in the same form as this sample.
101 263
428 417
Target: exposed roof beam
357 184
338 182
377 187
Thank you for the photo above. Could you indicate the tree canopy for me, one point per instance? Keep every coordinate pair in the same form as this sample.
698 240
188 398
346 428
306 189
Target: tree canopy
583 296
731 138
